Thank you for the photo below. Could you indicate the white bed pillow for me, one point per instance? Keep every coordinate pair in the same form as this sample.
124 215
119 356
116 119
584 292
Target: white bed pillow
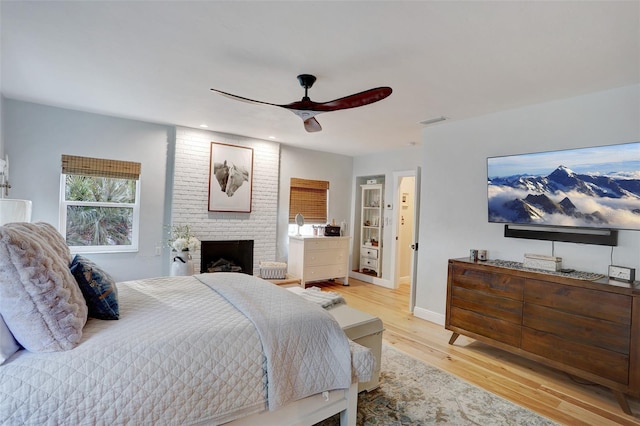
8 345
39 298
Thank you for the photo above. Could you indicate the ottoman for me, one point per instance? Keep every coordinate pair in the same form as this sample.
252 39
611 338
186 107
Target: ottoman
365 330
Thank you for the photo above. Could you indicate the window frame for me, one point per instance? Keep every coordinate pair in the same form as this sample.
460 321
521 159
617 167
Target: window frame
135 226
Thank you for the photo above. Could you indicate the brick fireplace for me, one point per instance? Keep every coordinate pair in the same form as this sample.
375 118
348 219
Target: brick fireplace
191 192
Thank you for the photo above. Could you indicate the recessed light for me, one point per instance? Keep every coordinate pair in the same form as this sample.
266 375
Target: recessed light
272 137
204 126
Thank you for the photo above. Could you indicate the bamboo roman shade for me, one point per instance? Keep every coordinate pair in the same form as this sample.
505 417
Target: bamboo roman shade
87 166
309 198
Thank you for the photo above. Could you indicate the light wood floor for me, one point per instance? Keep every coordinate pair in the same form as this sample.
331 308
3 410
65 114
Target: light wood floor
546 391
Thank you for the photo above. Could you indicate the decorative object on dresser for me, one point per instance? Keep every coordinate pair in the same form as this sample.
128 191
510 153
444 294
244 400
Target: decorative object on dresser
299 222
582 327
622 273
371 229
230 178
332 230
314 258
540 261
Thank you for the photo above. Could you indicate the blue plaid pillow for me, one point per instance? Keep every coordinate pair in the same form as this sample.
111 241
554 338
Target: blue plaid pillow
98 289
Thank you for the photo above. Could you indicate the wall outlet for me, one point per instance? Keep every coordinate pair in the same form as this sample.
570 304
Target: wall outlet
622 273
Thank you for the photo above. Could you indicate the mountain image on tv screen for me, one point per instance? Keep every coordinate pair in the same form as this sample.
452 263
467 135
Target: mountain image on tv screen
596 187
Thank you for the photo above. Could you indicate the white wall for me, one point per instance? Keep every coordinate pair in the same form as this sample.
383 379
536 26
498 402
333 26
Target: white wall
453 215
308 164
1 127
190 193
385 163
35 138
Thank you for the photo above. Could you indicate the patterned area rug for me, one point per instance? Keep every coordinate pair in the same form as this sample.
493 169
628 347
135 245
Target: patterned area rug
414 393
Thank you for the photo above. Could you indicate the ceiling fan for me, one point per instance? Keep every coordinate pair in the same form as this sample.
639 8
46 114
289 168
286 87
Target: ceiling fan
308 109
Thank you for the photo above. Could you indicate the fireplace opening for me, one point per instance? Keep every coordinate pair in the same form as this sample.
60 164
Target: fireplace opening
227 256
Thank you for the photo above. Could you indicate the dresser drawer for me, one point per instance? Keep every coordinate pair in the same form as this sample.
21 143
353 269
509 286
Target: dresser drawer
325 257
365 262
601 305
314 273
503 285
369 252
487 304
491 327
601 362
581 329
327 243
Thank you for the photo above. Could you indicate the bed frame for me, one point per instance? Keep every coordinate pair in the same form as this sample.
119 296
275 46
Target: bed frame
310 410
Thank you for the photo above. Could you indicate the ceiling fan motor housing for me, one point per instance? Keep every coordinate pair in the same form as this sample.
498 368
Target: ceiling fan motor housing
306 80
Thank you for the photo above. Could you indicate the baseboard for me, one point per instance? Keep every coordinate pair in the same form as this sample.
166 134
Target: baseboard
431 316
369 279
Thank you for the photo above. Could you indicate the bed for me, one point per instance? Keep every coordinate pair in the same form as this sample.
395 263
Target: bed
208 349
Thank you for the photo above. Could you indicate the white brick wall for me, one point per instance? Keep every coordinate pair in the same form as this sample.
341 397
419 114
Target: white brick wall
191 197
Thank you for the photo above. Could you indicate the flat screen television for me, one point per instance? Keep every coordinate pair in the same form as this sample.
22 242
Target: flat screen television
595 187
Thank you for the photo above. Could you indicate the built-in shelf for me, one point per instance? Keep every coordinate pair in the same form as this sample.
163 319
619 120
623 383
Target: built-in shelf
371 229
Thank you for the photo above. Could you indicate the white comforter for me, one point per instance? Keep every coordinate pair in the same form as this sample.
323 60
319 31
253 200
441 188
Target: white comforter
179 354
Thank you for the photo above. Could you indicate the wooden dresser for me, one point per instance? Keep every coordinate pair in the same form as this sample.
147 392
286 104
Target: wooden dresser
590 329
314 258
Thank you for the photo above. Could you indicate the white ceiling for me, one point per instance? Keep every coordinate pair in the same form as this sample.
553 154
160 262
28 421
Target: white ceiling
156 61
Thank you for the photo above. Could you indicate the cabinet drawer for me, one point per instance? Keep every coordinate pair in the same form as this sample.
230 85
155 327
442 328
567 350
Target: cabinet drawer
313 273
493 328
580 301
601 362
326 243
581 329
494 283
369 252
365 262
325 257
487 304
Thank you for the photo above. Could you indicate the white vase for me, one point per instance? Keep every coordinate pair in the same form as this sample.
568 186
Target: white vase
181 264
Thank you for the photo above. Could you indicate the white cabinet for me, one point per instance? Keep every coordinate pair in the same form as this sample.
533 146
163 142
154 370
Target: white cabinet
314 258
371 229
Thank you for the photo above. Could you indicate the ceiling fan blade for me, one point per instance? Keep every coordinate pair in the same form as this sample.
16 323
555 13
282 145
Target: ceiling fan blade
359 99
352 101
311 125
240 98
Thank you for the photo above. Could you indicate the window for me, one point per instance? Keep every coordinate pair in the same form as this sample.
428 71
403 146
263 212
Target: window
99 204
309 198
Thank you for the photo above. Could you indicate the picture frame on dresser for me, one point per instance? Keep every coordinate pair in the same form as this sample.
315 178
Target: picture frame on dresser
230 178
